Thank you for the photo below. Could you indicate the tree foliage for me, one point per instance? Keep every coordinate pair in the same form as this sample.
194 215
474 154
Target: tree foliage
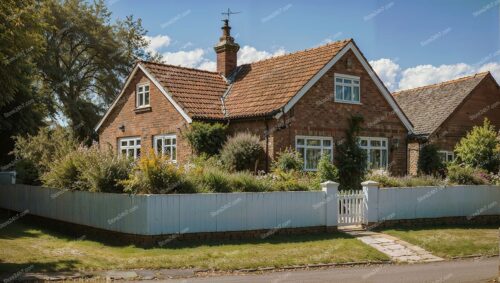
350 158
242 152
429 162
480 148
206 138
87 57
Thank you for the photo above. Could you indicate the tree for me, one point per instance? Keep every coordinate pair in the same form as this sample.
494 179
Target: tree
21 108
86 59
206 138
429 162
351 159
480 148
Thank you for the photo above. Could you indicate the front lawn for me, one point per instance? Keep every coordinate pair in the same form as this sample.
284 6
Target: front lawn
23 245
453 241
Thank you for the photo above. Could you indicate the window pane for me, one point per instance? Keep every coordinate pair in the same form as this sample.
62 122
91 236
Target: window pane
138 150
356 82
174 153
174 141
313 155
314 142
158 145
338 92
375 158
355 94
364 143
146 88
384 144
300 141
146 98
168 141
130 152
347 93
384 158
138 142
450 157
301 152
140 89
141 102
124 152
168 151
375 143
328 152
327 142
124 143
347 81
339 80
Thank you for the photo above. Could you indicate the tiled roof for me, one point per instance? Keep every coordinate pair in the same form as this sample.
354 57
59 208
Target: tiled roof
429 106
257 89
265 86
198 92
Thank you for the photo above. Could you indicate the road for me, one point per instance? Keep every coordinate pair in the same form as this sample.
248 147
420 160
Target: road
471 270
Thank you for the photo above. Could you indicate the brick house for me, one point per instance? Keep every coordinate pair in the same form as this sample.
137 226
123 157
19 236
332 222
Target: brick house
301 100
443 113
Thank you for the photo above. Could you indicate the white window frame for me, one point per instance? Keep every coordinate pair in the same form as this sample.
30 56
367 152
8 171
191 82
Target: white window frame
305 147
352 85
172 146
447 154
142 94
133 146
369 146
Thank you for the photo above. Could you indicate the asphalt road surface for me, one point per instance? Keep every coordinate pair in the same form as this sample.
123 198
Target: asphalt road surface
471 270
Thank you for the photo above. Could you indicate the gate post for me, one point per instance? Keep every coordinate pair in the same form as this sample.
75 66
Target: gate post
331 190
370 207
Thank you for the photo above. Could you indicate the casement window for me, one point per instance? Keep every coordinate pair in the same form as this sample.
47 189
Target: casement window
142 98
130 147
166 145
312 148
376 151
446 155
347 89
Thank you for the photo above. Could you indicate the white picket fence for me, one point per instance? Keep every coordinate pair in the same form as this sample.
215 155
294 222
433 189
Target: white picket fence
350 208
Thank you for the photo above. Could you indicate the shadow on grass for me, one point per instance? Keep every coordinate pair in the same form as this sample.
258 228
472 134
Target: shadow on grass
8 269
23 226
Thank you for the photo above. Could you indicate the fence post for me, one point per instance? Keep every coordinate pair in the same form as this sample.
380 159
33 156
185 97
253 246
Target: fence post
370 208
331 190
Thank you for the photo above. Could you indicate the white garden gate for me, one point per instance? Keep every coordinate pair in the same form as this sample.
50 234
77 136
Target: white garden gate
351 210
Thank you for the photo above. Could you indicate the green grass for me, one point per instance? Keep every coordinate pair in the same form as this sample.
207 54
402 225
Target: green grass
452 241
23 245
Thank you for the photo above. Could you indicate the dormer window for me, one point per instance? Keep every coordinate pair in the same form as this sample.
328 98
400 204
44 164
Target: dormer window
347 89
142 99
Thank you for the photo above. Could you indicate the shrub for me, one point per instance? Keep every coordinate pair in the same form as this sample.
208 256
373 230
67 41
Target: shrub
246 182
214 180
466 175
429 162
153 175
64 172
406 181
206 138
102 171
47 146
27 172
242 152
326 170
289 160
351 159
480 148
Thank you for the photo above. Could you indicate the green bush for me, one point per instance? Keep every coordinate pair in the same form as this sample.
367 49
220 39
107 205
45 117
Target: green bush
102 171
350 158
153 175
64 172
27 172
206 138
326 170
242 152
289 160
466 175
246 182
44 148
388 181
480 148
429 162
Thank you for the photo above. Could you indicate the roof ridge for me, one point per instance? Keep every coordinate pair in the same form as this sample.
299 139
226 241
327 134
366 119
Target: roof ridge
468 77
301 51
179 67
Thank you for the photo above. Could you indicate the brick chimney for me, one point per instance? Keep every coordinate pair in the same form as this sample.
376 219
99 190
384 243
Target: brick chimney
227 51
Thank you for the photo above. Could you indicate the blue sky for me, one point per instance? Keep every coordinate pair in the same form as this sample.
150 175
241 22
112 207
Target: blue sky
409 43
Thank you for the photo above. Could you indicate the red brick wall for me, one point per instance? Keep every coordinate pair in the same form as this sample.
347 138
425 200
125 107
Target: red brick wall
316 114
162 119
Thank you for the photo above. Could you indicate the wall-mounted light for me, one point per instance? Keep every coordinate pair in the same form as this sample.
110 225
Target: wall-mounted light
122 128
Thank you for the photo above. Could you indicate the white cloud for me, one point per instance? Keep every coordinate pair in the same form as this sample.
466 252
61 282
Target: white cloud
249 54
189 59
396 79
387 70
208 66
157 42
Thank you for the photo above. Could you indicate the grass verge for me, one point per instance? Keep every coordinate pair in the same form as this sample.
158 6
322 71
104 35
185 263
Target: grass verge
24 246
451 241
